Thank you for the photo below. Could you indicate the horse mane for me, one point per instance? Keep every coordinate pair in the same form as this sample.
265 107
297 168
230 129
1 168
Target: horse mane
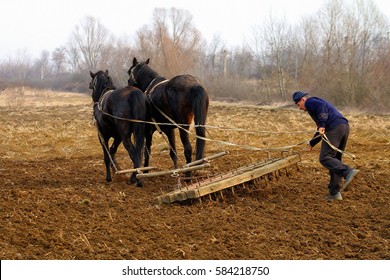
99 72
146 73
102 85
109 83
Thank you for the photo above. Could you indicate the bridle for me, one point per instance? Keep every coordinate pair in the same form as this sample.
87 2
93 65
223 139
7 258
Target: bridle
93 84
132 75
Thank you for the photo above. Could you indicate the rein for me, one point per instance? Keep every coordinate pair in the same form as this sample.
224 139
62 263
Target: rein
149 92
325 138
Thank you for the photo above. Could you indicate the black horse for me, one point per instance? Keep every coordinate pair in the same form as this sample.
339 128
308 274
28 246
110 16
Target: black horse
112 109
179 100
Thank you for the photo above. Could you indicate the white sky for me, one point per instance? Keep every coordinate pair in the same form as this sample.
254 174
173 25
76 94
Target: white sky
36 25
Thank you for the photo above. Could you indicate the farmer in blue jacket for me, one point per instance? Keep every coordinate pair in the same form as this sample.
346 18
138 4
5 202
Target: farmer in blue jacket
332 123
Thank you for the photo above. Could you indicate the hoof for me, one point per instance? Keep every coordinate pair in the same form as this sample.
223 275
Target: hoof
187 180
132 180
188 177
129 182
137 183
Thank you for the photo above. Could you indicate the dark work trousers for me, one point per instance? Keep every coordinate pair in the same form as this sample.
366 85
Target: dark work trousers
331 159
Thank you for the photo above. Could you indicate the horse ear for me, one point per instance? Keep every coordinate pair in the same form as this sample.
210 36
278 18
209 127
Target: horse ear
147 61
92 74
106 73
135 61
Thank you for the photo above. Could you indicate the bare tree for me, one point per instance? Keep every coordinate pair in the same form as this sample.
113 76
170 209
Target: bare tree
307 53
257 48
172 41
59 59
118 61
23 65
145 43
87 43
74 59
15 70
352 39
43 64
272 46
214 59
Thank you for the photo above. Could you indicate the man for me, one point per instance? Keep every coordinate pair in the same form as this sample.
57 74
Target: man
332 123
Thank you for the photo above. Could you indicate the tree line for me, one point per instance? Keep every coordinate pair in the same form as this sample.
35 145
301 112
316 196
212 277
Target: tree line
341 53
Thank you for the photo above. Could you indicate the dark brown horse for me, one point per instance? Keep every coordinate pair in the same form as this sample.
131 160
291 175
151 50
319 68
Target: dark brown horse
112 109
179 100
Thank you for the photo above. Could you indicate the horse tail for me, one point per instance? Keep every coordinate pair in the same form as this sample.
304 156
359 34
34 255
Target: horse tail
138 105
200 107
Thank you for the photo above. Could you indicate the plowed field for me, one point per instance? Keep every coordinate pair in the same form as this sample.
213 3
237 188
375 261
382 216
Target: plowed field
55 204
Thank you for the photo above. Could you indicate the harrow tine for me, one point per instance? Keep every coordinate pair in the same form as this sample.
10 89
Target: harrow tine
221 194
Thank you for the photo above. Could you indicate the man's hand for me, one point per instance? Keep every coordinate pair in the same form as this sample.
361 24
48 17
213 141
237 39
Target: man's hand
321 131
309 147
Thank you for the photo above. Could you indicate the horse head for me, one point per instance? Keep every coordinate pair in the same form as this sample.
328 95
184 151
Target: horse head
135 73
101 82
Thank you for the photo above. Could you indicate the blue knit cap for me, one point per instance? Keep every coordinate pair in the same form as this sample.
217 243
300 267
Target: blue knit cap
298 95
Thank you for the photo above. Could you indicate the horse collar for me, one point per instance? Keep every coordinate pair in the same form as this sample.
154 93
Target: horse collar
103 96
150 89
149 86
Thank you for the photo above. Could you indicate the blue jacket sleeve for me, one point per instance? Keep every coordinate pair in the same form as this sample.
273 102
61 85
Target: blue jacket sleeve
315 140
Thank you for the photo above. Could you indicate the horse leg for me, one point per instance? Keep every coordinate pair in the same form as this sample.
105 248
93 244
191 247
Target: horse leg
200 143
131 150
187 147
104 143
139 140
113 150
148 146
170 132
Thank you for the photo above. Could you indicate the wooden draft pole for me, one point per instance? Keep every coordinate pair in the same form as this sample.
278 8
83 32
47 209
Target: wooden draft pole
205 159
138 170
173 171
195 165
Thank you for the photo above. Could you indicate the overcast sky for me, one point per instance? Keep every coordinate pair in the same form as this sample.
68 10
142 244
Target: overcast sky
36 25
